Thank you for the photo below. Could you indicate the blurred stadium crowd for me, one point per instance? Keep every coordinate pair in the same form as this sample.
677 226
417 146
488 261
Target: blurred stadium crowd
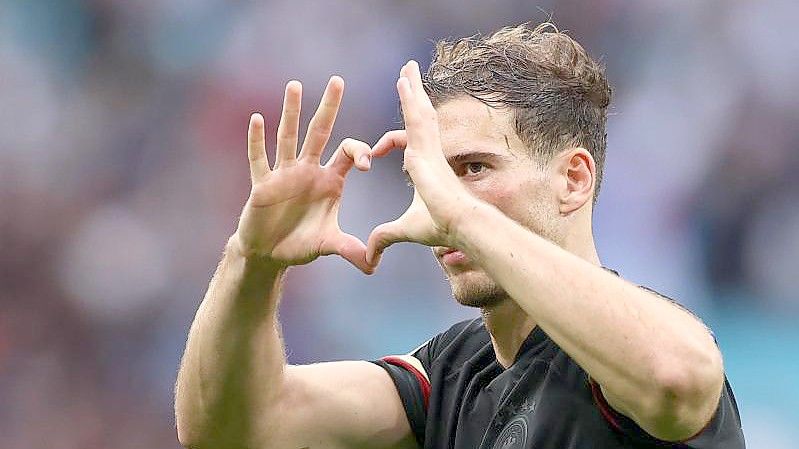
123 170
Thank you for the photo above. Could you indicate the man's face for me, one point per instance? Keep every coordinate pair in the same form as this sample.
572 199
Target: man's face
483 149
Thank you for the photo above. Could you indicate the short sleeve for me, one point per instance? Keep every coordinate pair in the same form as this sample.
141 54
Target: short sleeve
724 429
409 374
722 432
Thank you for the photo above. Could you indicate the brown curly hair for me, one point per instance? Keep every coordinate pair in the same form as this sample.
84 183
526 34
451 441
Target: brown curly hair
558 95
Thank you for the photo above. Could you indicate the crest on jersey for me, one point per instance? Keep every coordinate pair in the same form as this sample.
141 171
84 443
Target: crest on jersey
514 435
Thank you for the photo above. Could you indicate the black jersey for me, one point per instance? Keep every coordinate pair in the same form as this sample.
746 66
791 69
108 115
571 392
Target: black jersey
458 396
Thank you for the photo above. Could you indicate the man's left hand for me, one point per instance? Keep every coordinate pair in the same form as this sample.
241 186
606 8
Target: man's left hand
439 197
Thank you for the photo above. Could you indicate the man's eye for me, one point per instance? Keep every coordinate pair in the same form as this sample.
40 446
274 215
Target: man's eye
475 168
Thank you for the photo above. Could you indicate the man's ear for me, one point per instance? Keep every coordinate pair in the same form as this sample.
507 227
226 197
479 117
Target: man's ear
577 170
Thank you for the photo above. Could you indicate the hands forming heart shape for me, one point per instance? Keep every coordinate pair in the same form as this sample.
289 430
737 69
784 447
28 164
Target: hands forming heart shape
291 216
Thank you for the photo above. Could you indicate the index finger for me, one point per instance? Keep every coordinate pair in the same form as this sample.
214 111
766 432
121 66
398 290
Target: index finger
410 108
414 74
389 141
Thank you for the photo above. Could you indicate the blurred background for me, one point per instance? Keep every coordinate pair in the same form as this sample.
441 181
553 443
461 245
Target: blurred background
123 170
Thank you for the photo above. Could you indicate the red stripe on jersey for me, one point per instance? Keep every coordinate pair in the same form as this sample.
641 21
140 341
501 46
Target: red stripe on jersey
424 384
610 414
607 411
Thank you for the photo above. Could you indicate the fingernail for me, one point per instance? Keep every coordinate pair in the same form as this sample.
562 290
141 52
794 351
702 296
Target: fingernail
364 160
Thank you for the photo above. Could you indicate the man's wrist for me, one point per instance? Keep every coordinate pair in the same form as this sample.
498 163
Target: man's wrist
468 216
253 264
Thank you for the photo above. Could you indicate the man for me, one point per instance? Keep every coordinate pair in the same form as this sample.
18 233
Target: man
504 142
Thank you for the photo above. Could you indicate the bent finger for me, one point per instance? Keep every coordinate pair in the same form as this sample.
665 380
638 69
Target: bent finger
389 141
256 148
350 152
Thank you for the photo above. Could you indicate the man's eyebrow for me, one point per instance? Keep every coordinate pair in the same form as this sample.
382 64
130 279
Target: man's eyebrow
461 157
472 155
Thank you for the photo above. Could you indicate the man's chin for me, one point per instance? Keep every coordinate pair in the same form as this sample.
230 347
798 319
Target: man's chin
473 288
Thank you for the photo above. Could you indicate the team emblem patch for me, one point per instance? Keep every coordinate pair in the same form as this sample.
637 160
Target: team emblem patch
514 435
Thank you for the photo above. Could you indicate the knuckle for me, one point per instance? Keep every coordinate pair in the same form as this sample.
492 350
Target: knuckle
321 130
361 148
396 137
346 147
284 131
353 147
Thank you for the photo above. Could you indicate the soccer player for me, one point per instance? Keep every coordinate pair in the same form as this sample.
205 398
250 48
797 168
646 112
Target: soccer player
504 142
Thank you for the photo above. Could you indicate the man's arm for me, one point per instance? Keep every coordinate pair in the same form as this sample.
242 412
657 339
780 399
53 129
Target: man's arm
234 389
234 360
655 362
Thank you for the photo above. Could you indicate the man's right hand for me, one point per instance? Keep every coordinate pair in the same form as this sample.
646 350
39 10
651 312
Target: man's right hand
291 216
234 387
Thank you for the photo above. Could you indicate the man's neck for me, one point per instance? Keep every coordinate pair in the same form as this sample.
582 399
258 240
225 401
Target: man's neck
509 325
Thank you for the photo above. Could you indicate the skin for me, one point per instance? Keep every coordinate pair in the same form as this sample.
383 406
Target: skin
527 258
234 388
495 166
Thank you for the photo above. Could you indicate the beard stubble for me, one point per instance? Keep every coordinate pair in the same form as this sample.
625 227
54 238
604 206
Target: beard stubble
475 288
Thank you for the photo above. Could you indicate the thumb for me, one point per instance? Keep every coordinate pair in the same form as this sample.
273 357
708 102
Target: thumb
349 247
382 237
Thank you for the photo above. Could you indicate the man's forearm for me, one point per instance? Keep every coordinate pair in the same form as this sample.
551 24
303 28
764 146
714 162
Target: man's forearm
234 359
637 346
